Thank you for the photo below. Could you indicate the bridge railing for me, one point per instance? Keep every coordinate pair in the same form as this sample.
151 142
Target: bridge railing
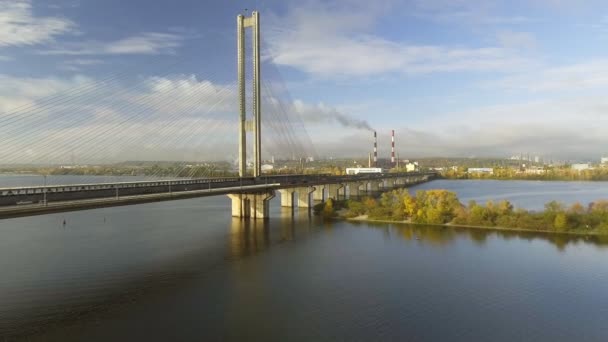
292 179
72 192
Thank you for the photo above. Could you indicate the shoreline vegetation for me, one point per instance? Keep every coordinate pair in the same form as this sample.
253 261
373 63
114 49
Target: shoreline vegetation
539 174
442 207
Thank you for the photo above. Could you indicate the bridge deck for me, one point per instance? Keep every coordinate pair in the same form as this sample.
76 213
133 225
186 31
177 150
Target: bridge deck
25 201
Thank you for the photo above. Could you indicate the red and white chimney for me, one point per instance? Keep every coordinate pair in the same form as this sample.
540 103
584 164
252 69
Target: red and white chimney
393 146
375 149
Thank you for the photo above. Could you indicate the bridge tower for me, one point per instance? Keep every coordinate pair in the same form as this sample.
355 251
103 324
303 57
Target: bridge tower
245 125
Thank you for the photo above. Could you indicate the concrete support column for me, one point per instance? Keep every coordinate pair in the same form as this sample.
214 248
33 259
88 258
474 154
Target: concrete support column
334 190
304 196
354 189
240 205
374 186
319 193
259 204
287 197
342 192
389 183
251 205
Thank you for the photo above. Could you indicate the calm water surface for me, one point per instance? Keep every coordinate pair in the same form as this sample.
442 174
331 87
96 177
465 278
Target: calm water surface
523 194
185 270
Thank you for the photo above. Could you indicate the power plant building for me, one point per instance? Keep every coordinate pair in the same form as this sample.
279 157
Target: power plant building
358 170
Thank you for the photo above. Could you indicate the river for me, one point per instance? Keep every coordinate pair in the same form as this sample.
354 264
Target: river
186 270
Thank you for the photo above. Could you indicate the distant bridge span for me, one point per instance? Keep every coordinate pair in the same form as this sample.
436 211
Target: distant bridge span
250 195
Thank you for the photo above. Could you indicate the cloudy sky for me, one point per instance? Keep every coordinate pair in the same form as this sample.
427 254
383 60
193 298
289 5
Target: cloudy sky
110 80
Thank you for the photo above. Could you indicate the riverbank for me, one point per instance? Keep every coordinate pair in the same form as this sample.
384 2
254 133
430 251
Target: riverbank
365 218
549 174
442 207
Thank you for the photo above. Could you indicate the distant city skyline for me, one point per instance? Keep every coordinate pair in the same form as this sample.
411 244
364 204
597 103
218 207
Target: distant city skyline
452 78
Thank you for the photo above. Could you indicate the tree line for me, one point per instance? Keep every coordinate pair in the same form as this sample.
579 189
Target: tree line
444 207
564 174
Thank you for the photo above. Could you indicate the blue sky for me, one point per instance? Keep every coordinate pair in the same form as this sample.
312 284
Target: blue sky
452 77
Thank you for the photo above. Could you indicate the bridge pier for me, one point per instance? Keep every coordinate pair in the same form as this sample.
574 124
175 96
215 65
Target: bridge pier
254 205
319 193
389 183
304 196
287 197
296 197
374 186
354 189
334 190
240 206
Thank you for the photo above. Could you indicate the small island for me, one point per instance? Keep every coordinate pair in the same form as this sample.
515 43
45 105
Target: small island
442 207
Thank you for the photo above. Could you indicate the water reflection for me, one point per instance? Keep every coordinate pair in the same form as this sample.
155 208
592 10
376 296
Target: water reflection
440 235
247 237
358 257
251 237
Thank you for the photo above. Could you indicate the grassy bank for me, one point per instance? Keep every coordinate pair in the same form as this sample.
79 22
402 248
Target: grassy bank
364 218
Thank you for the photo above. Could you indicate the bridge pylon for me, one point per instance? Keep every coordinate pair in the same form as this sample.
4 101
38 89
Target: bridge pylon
245 125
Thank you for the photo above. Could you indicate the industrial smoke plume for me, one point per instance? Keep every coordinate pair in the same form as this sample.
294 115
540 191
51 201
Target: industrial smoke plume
347 121
323 113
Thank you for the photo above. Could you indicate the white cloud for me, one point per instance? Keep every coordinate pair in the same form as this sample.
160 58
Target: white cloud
17 92
18 26
161 118
512 39
464 12
79 64
567 128
85 61
183 90
181 118
148 43
580 76
329 40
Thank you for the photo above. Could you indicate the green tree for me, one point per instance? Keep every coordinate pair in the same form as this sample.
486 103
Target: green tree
328 209
410 206
436 206
369 204
561 222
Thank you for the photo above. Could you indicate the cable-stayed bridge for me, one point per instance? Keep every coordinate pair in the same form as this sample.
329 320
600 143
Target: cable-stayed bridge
179 117
250 195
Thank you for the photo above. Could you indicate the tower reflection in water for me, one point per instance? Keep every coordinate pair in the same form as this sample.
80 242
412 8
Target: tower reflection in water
249 237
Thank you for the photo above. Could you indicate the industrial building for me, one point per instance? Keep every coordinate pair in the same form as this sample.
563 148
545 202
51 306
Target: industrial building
487 170
358 170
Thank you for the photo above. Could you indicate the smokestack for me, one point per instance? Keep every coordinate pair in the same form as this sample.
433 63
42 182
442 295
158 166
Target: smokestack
393 146
375 149
369 160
